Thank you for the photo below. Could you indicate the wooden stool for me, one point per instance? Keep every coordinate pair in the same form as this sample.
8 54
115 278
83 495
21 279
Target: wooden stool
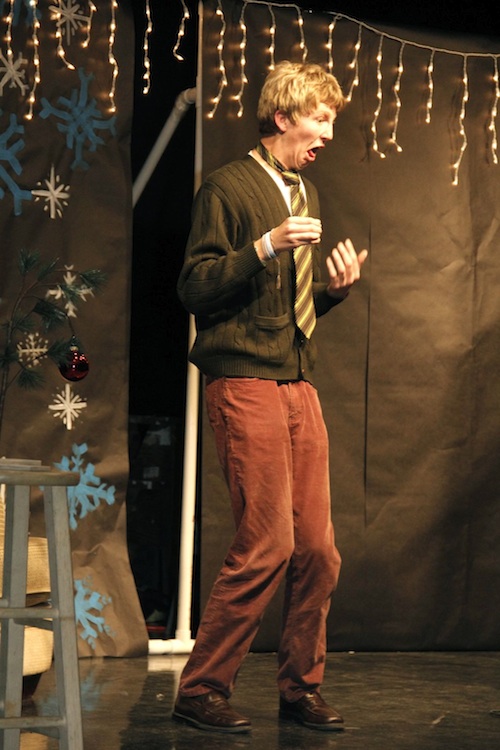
59 616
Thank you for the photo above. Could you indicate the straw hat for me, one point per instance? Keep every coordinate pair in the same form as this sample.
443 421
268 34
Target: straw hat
38 644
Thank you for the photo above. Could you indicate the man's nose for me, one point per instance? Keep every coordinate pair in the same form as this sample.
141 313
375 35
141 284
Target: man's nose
328 133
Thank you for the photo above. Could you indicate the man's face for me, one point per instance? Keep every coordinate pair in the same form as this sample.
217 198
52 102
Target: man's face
301 140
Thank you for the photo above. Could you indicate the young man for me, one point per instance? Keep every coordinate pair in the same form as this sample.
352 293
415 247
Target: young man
252 279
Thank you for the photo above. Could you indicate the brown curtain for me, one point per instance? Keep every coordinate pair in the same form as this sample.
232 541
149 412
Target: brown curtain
409 365
77 143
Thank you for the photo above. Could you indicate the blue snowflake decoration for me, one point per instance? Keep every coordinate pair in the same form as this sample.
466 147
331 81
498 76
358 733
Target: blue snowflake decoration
80 120
10 144
88 606
90 492
91 692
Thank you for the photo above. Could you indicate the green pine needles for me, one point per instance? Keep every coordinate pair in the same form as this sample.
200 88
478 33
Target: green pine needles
46 298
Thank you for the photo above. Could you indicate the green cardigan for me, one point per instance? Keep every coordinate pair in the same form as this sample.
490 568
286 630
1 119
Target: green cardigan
244 308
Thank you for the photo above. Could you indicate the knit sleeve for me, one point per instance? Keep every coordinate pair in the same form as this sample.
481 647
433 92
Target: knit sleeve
216 267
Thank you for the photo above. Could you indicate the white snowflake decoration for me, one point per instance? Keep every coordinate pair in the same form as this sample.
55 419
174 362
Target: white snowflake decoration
58 293
55 194
11 72
68 18
67 406
32 350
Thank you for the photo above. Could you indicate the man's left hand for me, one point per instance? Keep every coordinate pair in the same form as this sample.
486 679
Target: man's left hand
344 267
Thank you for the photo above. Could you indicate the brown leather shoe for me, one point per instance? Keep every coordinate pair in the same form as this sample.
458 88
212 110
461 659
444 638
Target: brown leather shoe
210 711
312 711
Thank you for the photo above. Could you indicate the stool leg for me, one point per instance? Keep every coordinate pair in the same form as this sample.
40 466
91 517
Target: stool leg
62 593
17 511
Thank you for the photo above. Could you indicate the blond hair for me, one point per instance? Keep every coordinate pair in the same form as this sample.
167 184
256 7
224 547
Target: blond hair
296 89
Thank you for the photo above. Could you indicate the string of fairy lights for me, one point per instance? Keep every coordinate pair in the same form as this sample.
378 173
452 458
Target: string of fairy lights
61 12
393 145
82 14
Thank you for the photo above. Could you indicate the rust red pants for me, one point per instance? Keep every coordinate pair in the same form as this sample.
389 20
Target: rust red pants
273 447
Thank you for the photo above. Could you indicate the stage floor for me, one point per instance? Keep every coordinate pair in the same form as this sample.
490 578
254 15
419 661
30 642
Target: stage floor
390 701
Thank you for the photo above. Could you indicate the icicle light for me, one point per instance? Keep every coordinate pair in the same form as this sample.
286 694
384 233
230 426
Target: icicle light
329 44
8 33
354 65
58 16
92 10
67 16
220 50
111 55
493 113
302 45
397 88
461 122
430 87
181 31
146 61
36 59
243 61
378 108
272 37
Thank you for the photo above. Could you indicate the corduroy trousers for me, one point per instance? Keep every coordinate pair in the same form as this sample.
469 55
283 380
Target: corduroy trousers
272 443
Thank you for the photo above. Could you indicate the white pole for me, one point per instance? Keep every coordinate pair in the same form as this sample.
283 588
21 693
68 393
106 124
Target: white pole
183 641
182 103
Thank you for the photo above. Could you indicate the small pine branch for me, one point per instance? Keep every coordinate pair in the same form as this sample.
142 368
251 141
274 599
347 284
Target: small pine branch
30 310
58 351
22 324
27 262
51 315
47 269
8 357
93 279
29 379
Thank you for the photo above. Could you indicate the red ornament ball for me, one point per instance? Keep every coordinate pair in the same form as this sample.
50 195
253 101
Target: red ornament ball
77 366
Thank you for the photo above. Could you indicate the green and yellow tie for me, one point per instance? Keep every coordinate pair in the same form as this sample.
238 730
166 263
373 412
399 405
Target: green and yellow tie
305 314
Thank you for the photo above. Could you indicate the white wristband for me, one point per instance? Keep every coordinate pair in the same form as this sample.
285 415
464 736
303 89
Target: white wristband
267 245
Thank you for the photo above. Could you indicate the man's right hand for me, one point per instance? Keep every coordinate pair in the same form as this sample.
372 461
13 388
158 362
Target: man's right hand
293 232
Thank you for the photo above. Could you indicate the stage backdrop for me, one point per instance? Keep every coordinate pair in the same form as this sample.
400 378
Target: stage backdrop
65 194
409 365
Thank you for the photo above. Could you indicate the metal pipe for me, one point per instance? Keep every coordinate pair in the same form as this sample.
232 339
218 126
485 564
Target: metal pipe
183 641
182 104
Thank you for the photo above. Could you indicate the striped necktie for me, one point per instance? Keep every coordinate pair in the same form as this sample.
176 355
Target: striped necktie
305 314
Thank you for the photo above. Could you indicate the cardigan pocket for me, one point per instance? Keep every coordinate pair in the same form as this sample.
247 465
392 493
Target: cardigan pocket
272 322
274 337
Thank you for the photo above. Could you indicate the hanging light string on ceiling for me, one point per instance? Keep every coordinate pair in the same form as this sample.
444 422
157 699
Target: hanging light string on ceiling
329 44
243 61
63 15
181 31
61 52
272 36
461 121
397 87
146 76
71 17
493 115
36 57
111 55
222 69
355 79
92 10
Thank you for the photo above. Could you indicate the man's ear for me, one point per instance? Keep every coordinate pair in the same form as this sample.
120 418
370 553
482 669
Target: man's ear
281 121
